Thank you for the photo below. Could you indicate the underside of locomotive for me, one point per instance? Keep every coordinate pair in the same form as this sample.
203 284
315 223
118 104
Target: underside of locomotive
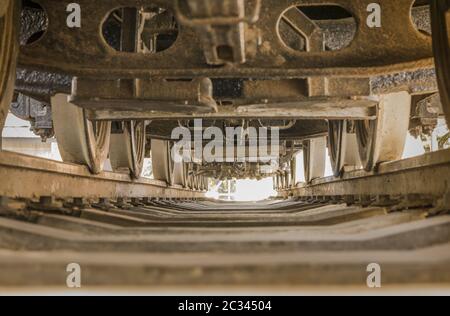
125 79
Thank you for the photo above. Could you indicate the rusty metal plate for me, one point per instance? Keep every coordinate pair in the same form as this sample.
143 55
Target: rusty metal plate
314 109
396 46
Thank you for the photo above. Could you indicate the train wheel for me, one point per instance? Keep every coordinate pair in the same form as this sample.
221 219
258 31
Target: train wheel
314 152
281 181
384 139
342 147
179 174
287 179
162 162
194 183
205 184
198 183
188 181
189 176
293 166
9 48
440 12
191 182
201 183
127 149
276 182
80 140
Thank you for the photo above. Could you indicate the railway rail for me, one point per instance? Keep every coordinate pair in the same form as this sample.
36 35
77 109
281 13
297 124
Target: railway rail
145 235
30 177
118 80
422 179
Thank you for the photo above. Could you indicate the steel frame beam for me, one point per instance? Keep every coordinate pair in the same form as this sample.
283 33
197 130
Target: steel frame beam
315 109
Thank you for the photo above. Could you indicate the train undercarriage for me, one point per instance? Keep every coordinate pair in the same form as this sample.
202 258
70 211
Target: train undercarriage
113 79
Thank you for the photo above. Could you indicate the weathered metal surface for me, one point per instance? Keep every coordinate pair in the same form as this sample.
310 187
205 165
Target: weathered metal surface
302 129
221 27
37 113
9 49
425 115
122 235
33 23
395 47
38 84
196 96
42 85
422 18
416 82
440 12
314 108
157 99
154 95
31 177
